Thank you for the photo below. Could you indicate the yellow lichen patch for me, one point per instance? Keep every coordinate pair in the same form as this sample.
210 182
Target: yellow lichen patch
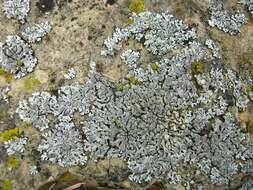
136 6
154 67
31 83
6 184
197 67
9 134
5 75
11 162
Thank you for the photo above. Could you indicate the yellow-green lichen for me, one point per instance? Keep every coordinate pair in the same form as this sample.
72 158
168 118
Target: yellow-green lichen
121 87
117 122
136 6
9 134
7 76
30 84
130 21
197 67
132 81
19 63
6 184
154 66
11 162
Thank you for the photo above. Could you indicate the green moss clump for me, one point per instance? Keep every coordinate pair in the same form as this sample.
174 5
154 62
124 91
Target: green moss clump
30 84
136 6
154 67
7 76
9 134
11 162
6 184
197 67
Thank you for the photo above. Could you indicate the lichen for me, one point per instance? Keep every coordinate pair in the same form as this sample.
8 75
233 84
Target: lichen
121 86
17 9
6 184
4 97
16 145
154 66
223 20
16 57
136 6
33 170
161 33
132 81
216 51
11 162
71 73
9 134
197 67
36 32
7 76
160 123
67 147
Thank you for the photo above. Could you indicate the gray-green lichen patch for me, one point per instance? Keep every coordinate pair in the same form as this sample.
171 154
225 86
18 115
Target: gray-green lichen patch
36 32
16 145
17 9
158 39
159 120
4 94
16 57
223 20
71 73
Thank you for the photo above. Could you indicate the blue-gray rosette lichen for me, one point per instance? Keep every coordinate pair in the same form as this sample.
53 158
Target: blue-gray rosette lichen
16 56
175 113
223 20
